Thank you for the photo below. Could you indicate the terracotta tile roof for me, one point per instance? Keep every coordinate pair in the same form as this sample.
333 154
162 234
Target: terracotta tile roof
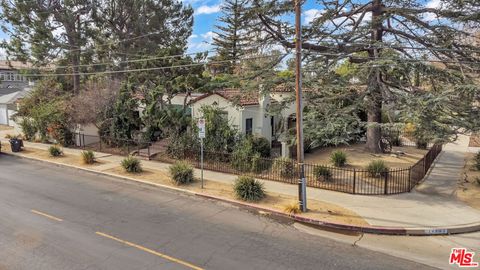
234 95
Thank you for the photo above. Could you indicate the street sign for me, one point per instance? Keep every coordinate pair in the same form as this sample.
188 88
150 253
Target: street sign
201 128
201 135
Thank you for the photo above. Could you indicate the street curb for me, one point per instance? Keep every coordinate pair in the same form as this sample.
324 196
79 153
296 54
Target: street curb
406 231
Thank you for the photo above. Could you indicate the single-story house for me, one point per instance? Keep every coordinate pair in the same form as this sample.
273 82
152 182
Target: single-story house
9 105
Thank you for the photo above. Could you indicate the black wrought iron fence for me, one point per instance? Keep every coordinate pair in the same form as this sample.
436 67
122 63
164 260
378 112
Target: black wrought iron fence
348 180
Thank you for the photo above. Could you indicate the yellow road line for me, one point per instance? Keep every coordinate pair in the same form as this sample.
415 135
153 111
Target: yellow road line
150 251
46 215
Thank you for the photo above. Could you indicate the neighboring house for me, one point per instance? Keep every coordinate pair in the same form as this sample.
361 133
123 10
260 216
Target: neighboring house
13 87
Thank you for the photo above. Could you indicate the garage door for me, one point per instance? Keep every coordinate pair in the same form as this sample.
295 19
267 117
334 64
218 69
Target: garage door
3 115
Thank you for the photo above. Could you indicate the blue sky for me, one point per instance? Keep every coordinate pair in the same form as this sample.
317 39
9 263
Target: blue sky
205 19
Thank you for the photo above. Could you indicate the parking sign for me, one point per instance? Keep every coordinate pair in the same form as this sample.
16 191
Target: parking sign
201 128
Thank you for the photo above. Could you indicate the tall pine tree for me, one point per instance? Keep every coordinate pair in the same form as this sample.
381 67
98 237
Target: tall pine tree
232 36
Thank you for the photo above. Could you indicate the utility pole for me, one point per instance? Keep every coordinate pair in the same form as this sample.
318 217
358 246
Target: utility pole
302 189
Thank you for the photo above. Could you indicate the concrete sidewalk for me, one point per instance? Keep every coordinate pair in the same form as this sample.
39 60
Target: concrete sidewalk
431 205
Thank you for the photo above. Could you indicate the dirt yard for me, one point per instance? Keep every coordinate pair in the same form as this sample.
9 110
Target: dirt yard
67 159
468 189
358 157
317 209
5 127
474 140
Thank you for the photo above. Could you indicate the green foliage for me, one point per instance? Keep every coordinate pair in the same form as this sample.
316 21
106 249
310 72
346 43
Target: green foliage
88 157
322 173
28 128
332 118
125 118
261 145
377 168
46 110
248 154
55 151
181 173
132 164
338 158
232 38
285 167
181 144
248 189
221 136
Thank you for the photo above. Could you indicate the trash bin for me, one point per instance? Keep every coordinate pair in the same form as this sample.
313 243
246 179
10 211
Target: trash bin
16 145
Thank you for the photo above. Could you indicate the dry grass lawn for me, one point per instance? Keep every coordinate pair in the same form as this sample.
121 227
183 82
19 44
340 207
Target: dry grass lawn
5 127
359 157
474 140
468 189
317 209
67 159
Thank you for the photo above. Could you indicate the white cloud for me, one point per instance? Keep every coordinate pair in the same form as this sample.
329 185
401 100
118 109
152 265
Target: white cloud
208 36
311 14
193 36
207 9
437 4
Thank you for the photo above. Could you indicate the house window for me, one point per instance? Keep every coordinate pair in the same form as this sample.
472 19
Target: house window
272 125
249 126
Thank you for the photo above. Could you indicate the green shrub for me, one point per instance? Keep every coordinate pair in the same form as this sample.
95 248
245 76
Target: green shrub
377 168
88 157
181 172
132 164
248 189
322 173
285 167
421 144
477 161
261 145
338 158
55 151
29 129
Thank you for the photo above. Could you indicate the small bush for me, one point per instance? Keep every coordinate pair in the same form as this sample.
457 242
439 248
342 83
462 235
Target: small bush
55 151
262 146
421 144
292 208
322 173
132 164
29 129
88 157
338 158
285 167
181 172
248 189
377 168
257 163
477 161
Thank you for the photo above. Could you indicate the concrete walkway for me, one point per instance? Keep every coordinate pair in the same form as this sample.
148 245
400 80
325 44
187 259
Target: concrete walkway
432 204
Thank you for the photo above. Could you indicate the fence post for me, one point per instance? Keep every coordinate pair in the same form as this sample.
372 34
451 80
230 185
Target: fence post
386 181
354 179
148 151
83 138
100 144
410 179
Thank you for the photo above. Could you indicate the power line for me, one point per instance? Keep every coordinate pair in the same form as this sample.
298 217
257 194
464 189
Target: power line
148 69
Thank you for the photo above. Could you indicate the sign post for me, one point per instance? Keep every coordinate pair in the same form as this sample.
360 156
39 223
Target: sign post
201 135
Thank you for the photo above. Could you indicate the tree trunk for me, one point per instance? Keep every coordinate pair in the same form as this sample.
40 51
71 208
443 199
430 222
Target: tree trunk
374 98
76 70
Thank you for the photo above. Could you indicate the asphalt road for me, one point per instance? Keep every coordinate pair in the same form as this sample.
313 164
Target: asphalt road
57 218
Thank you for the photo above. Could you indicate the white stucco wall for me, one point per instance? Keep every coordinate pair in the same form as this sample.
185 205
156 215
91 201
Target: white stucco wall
90 133
234 114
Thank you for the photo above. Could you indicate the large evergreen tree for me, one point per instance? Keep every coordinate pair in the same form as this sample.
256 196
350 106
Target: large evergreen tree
232 35
388 39
41 32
